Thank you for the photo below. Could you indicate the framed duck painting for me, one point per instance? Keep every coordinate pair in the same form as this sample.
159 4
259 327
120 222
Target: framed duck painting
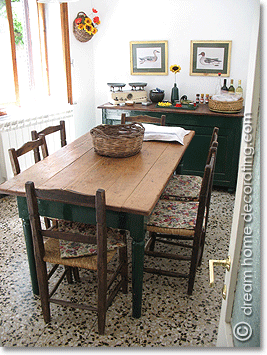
149 58
210 58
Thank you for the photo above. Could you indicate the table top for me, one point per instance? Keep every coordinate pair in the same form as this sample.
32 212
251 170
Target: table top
132 184
201 110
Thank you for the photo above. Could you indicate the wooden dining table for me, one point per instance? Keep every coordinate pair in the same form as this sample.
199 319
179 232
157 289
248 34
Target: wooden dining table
133 186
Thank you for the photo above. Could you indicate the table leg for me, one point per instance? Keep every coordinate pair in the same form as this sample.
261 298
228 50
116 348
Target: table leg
30 253
138 245
23 214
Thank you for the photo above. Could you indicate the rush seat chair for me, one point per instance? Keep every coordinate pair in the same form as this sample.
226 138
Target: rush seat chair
34 146
143 119
181 224
77 245
186 187
52 129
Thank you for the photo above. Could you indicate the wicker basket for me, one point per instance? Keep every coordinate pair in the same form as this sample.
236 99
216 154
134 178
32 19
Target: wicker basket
81 35
118 141
226 106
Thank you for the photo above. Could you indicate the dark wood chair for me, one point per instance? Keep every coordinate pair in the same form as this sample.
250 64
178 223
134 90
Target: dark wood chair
92 238
52 129
181 224
143 119
34 146
186 187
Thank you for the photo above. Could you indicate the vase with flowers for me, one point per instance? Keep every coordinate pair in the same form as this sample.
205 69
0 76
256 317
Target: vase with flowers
175 91
85 27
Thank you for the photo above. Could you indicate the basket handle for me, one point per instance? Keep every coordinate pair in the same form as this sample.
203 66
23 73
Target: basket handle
82 14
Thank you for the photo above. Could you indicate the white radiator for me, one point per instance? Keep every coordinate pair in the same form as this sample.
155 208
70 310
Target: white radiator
15 132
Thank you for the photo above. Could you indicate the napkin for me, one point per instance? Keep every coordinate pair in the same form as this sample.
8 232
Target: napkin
164 133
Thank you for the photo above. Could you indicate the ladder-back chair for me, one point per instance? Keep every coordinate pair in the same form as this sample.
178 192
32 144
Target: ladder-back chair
52 129
187 187
34 146
77 245
174 221
143 119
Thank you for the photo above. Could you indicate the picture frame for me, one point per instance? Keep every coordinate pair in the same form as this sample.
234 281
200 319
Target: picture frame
210 58
149 58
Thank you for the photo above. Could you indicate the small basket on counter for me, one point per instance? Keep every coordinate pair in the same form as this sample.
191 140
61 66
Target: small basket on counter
226 106
118 141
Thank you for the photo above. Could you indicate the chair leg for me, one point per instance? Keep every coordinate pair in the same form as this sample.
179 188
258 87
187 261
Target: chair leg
193 268
153 236
69 274
102 302
202 244
124 271
76 274
44 292
47 222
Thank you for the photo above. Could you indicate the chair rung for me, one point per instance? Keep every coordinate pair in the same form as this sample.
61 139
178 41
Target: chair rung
174 243
74 305
58 283
113 293
114 276
167 255
165 273
173 236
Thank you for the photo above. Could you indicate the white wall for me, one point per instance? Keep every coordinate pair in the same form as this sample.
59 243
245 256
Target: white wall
106 58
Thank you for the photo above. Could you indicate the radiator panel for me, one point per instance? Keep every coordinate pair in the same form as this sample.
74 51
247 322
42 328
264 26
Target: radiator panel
14 133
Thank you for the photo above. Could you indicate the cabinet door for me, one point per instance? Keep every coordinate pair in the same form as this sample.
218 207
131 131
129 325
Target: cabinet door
227 156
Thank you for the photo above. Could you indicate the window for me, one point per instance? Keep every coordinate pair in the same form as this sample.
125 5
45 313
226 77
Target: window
35 53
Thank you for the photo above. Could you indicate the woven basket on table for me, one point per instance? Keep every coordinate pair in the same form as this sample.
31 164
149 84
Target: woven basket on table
118 141
81 35
226 106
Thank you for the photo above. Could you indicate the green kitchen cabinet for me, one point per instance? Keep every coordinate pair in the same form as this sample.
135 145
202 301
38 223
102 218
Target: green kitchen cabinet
202 121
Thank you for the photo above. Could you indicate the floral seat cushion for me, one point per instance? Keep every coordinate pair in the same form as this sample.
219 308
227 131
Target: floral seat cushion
182 188
173 215
70 249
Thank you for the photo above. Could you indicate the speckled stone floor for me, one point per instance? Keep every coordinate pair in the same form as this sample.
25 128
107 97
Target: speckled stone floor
170 317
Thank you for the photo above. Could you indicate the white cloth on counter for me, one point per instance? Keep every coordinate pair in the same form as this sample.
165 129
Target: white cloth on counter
164 133
226 97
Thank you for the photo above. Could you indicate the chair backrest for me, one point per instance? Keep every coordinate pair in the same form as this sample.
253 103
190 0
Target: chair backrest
53 129
143 119
98 202
213 142
27 147
214 137
205 191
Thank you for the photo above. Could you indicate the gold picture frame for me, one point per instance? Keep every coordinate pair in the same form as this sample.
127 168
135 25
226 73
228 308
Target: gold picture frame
149 58
210 58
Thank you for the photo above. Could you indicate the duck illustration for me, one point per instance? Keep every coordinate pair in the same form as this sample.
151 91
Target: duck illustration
149 58
213 61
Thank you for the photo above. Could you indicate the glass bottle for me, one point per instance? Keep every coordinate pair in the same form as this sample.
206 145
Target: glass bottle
175 94
207 98
224 88
231 87
218 85
202 98
239 89
197 98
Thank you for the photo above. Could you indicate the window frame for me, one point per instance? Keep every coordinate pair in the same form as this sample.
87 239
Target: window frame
43 48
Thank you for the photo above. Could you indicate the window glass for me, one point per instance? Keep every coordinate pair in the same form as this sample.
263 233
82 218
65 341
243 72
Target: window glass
7 88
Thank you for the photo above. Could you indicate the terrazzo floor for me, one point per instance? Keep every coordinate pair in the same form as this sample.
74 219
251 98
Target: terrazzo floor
170 318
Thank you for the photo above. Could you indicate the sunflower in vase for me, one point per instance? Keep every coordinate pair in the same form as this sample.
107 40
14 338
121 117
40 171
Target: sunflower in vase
175 91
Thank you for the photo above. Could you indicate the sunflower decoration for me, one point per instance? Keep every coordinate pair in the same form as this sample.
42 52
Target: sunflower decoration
86 24
175 69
